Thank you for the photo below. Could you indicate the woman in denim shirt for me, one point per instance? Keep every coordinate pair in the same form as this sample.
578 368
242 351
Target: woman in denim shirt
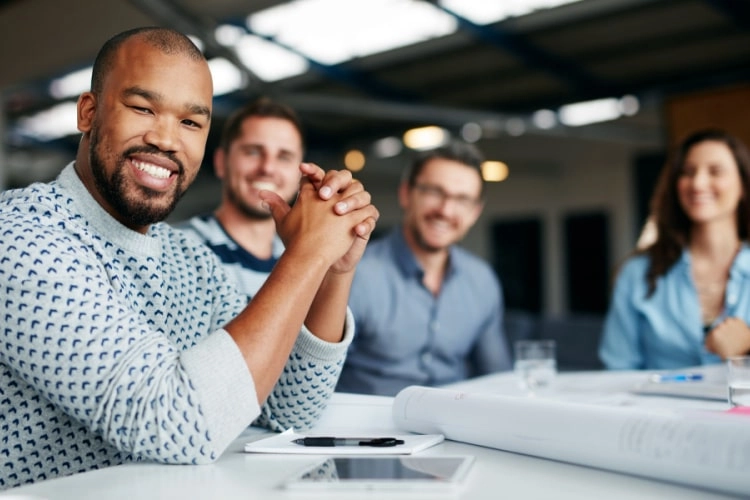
684 300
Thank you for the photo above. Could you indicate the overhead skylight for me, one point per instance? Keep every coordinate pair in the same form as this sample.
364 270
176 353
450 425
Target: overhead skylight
583 113
226 76
269 61
598 110
334 31
71 85
487 11
53 123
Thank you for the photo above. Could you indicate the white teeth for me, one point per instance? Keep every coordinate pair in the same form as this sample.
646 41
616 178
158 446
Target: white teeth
440 225
268 186
152 170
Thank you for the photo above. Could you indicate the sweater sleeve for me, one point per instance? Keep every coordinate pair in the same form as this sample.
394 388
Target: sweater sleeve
307 382
76 338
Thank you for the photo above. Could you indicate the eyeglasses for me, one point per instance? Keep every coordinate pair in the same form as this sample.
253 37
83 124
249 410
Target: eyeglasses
436 196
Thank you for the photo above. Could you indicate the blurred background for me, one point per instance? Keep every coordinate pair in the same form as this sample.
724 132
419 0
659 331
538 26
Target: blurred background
575 104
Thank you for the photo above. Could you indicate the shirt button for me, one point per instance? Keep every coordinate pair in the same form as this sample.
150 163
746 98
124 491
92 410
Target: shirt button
426 358
434 325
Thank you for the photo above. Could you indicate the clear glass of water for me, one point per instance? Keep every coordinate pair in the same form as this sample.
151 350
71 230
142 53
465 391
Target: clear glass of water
738 378
535 364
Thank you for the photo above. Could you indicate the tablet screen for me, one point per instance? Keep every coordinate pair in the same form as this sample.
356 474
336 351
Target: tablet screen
386 472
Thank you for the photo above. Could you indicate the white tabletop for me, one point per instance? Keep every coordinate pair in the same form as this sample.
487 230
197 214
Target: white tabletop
495 473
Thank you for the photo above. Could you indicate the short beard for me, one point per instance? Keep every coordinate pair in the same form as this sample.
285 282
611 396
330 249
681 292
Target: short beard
135 211
420 242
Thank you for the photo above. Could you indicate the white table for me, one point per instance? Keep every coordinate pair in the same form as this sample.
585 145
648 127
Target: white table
495 474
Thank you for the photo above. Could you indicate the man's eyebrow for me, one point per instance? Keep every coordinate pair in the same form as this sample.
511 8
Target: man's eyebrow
141 92
194 109
246 146
197 109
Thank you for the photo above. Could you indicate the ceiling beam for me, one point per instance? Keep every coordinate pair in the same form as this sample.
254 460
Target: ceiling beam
531 55
455 118
737 11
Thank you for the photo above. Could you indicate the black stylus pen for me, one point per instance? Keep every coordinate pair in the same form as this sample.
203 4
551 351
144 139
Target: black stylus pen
340 441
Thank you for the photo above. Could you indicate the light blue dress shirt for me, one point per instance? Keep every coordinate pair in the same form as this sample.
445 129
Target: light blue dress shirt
665 331
405 335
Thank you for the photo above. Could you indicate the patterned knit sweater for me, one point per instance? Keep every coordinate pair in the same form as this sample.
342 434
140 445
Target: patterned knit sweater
112 347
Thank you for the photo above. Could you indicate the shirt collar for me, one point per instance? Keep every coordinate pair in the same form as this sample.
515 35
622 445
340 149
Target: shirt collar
741 263
107 226
407 261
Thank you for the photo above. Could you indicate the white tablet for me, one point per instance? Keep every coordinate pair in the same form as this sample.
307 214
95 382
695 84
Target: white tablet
382 472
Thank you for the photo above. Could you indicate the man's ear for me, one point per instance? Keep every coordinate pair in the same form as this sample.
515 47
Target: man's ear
403 195
86 108
219 162
476 212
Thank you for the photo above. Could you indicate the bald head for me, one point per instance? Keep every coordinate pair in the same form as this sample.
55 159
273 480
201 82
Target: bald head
166 40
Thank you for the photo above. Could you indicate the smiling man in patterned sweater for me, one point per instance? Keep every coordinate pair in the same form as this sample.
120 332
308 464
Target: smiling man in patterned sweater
122 339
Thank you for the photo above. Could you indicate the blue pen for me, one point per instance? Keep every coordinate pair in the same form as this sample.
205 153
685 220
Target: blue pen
676 377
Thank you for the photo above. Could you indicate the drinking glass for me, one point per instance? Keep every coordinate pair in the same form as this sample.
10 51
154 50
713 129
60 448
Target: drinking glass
535 363
738 379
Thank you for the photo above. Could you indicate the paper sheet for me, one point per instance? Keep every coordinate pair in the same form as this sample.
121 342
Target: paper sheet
283 443
706 449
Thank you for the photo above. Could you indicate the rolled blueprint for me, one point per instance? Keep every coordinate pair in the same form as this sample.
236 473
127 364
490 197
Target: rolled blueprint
706 449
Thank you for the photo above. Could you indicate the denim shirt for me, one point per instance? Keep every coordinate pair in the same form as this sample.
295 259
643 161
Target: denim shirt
405 335
665 330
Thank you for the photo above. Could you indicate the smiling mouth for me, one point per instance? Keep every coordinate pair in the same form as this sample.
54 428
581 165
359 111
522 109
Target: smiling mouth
152 170
267 186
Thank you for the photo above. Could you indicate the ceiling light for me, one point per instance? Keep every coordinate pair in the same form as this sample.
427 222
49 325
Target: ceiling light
354 160
544 119
72 84
197 42
486 12
494 171
387 147
269 61
586 112
226 76
515 126
228 35
471 132
53 123
629 105
425 137
375 26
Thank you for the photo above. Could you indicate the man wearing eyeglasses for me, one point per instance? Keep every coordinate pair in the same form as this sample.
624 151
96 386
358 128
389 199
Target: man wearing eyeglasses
427 311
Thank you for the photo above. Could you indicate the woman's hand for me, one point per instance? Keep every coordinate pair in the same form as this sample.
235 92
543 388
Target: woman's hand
729 338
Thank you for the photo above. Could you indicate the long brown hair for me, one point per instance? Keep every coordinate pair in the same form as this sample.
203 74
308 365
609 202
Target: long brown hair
672 223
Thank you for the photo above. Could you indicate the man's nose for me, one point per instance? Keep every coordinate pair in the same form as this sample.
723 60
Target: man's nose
163 134
267 164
